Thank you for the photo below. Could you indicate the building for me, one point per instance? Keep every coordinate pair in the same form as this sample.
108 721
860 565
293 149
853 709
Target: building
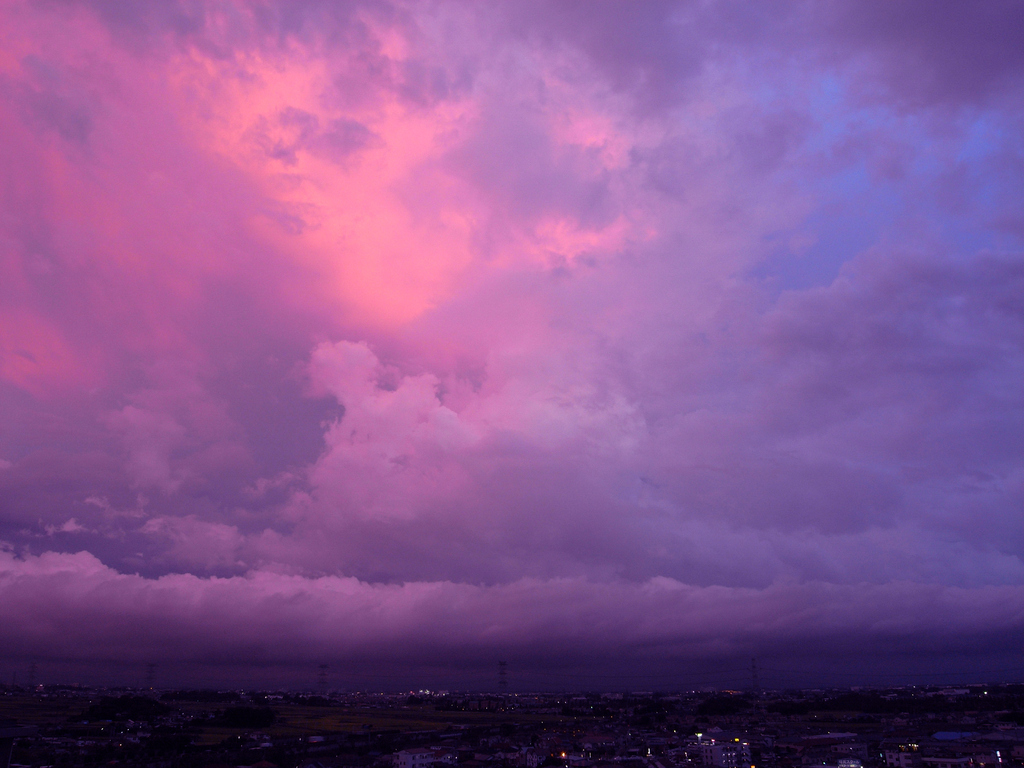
725 753
414 758
9 731
947 762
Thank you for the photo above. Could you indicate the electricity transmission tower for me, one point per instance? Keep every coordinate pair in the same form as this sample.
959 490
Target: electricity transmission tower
502 677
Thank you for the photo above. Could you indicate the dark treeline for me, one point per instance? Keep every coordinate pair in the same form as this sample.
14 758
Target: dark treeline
201 696
127 707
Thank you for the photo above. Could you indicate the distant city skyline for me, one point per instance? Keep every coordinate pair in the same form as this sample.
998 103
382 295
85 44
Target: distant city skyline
615 341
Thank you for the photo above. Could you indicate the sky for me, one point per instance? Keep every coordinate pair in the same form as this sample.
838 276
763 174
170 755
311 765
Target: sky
623 342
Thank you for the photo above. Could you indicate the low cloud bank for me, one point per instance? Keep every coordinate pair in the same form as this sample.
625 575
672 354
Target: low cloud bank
72 606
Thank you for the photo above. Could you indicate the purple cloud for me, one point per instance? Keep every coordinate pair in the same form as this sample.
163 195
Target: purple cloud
651 335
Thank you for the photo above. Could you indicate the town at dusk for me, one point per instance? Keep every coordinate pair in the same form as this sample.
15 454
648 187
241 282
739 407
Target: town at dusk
527 374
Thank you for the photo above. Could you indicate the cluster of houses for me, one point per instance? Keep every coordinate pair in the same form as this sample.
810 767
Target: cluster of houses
760 747
905 728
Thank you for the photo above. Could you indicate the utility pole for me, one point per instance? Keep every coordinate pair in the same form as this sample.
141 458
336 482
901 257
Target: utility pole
150 675
754 684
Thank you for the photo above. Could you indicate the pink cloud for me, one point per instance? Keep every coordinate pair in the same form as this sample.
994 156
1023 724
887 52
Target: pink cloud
576 327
